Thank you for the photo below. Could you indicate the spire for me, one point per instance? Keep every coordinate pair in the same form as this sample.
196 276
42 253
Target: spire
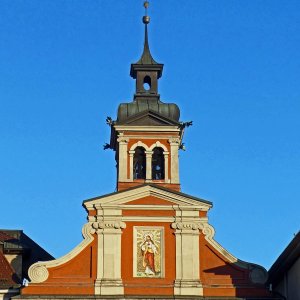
146 60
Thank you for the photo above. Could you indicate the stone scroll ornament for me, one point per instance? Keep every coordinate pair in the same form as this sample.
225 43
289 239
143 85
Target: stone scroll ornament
38 272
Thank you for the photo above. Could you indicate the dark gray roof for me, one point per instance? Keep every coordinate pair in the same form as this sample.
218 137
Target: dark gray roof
167 110
146 61
285 260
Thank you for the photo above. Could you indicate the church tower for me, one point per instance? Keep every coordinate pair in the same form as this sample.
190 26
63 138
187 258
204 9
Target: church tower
147 134
147 240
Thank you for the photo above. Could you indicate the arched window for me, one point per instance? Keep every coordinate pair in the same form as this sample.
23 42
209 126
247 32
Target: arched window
147 83
158 164
139 163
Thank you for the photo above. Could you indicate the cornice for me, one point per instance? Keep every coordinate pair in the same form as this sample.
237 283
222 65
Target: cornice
147 128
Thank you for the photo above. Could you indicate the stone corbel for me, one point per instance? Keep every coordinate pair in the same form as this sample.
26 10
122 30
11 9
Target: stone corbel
38 272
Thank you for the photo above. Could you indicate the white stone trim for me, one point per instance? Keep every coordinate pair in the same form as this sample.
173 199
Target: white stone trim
147 128
158 144
38 272
177 207
148 219
152 137
162 249
122 161
131 154
139 144
149 165
166 159
187 280
174 144
108 225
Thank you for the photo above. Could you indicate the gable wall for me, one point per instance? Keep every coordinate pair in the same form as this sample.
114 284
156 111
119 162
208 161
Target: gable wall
76 276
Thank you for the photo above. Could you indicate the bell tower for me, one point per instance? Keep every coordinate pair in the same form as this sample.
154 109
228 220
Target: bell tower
147 133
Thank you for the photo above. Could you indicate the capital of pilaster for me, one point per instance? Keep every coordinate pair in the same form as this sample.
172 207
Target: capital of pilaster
174 141
148 153
122 140
131 152
108 225
186 226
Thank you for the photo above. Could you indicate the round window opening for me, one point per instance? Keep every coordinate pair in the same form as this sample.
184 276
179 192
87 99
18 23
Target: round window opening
146 86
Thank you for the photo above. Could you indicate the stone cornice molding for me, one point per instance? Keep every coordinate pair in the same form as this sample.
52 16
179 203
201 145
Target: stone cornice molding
147 128
38 272
156 207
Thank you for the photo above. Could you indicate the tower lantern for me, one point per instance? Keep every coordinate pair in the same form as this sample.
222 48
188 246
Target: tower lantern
147 133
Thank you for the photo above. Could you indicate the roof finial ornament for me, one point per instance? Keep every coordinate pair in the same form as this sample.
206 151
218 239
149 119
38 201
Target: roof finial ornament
146 18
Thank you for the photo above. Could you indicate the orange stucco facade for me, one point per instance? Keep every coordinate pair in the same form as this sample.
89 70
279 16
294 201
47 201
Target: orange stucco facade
218 276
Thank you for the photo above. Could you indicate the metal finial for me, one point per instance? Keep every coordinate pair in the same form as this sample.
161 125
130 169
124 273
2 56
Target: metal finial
146 5
146 18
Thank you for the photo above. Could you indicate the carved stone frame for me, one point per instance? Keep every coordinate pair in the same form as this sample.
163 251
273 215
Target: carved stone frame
162 249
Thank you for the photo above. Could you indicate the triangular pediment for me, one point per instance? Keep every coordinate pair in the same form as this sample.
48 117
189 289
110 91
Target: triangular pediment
169 198
149 118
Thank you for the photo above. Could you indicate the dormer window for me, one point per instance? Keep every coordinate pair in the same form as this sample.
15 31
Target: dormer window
139 163
158 164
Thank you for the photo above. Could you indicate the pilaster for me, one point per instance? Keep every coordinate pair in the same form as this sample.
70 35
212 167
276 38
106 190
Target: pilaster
122 158
166 158
131 154
109 230
187 280
148 165
174 143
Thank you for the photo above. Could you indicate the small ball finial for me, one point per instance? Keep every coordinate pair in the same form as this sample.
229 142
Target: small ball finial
146 19
146 4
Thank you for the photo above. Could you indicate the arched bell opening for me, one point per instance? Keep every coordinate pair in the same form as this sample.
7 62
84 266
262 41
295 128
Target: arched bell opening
147 83
158 164
139 163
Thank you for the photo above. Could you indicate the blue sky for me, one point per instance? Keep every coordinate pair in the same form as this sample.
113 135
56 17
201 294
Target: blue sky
233 67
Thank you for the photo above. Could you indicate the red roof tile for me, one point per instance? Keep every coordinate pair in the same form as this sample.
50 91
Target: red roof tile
5 237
